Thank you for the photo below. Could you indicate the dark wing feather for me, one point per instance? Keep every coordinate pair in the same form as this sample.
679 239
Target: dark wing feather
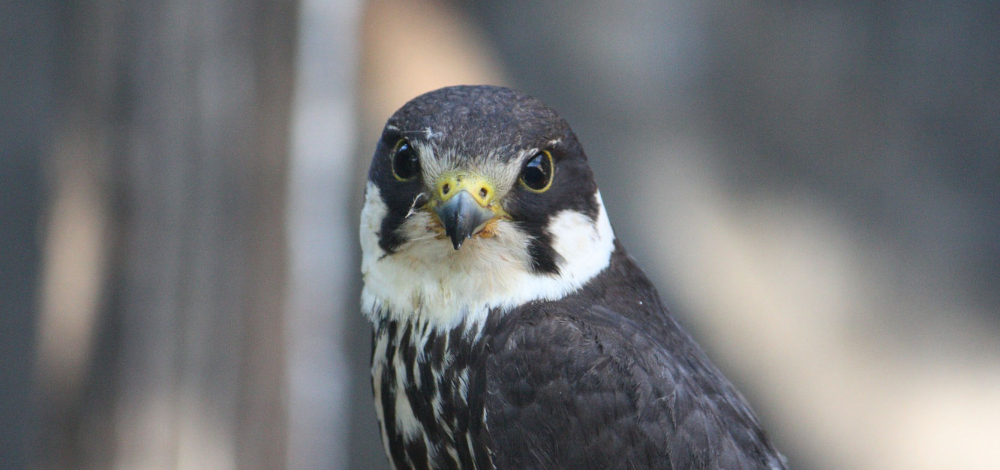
582 387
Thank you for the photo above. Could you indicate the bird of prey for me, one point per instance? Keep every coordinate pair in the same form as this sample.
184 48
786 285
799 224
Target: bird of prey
510 328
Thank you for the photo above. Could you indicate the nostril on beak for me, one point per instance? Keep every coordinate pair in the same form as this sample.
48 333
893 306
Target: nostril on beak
445 189
483 192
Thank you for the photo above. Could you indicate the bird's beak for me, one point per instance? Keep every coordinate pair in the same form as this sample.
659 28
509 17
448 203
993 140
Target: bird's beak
464 204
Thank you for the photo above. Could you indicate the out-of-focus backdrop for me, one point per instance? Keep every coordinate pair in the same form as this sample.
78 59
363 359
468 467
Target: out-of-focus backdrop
812 185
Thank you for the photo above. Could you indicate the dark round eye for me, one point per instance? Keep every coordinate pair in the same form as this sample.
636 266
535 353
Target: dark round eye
405 164
537 174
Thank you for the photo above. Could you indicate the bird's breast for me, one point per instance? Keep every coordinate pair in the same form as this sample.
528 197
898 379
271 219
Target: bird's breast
422 381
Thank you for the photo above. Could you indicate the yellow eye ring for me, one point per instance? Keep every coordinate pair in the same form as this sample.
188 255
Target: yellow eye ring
538 173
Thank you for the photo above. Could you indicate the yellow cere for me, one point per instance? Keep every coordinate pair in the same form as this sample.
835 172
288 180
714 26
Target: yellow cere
450 184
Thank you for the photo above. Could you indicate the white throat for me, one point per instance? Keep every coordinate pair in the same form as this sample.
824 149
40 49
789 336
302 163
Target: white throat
426 280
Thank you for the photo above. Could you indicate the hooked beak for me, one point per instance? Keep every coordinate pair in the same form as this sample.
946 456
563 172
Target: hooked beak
465 206
462 217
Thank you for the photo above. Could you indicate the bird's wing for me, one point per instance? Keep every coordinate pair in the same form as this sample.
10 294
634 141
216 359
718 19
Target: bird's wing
592 389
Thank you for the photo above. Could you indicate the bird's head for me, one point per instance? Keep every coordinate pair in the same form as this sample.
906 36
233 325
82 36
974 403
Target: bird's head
478 197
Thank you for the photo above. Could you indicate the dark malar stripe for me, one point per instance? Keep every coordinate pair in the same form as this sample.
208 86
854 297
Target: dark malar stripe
543 256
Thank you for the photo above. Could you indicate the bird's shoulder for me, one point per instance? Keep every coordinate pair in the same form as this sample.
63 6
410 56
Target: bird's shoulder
578 383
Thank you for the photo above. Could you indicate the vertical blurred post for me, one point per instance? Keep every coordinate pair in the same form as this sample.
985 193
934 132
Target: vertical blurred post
321 228
26 103
192 108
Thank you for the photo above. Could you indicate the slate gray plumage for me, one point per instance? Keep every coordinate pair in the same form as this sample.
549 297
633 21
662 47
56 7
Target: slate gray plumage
590 372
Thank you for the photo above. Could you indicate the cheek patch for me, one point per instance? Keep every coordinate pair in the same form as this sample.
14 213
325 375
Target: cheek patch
583 245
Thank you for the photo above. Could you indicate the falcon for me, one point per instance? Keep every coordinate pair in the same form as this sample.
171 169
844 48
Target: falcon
511 330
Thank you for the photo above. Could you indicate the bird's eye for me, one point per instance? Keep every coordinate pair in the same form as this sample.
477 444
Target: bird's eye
537 173
405 164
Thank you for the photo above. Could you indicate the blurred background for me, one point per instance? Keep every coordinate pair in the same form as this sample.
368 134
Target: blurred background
812 185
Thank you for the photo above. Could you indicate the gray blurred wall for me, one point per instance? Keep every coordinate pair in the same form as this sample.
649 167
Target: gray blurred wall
812 186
